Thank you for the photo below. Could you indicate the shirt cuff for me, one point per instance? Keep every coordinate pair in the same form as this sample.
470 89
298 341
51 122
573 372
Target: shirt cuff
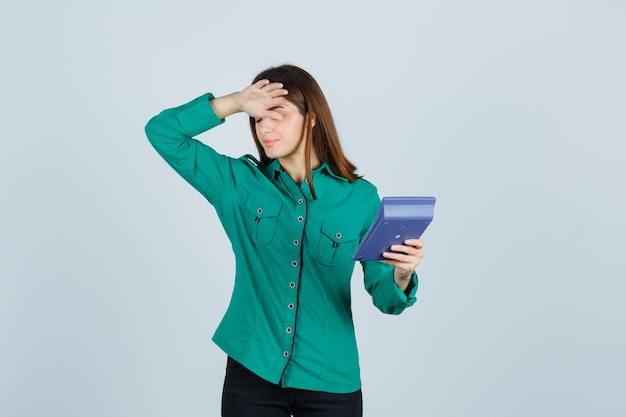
408 296
198 116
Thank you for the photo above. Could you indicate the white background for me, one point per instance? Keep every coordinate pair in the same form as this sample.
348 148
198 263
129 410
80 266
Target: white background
115 273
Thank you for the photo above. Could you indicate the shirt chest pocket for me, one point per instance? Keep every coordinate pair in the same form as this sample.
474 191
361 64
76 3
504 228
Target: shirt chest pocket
261 218
338 242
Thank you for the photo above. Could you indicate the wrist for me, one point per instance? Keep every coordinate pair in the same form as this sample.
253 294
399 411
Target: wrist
402 276
227 105
238 101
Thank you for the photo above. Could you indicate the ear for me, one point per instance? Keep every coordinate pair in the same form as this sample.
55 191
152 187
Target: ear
311 119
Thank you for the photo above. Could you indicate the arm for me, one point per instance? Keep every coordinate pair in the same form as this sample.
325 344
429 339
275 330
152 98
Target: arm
171 133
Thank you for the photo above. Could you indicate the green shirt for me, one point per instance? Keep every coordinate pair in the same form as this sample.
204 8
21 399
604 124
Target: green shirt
289 319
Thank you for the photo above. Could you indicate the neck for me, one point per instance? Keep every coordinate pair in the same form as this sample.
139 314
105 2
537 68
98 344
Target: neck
297 169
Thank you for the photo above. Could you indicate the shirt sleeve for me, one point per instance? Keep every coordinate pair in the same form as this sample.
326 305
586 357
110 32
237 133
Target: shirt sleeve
171 134
386 295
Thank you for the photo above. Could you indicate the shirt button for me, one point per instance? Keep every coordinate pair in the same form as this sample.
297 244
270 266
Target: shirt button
259 210
296 242
338 235
292 284
288 329
286 354
291 306
300 218
300 201
294 263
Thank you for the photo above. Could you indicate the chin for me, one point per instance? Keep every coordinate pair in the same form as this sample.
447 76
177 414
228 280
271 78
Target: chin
272 155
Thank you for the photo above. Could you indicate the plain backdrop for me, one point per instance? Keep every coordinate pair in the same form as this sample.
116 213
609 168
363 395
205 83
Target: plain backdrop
114 273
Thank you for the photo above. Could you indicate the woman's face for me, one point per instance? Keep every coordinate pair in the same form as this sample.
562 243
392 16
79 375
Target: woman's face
282 139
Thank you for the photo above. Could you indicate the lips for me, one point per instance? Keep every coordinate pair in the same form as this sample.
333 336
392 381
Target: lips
269 142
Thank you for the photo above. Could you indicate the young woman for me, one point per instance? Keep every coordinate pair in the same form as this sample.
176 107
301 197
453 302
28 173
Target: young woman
294 219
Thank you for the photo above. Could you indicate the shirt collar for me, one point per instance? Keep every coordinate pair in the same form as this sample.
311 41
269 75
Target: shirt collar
272 170
326 168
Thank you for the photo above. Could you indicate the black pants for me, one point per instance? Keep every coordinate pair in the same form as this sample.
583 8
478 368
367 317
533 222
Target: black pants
248 395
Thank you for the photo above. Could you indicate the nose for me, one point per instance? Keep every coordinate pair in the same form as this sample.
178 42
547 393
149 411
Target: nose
264 125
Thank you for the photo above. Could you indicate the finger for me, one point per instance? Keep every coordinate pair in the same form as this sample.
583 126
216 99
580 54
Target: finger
275 115
412 259
410 250
278 101
401 257
271 87
417 243
261 83
279 92
271 114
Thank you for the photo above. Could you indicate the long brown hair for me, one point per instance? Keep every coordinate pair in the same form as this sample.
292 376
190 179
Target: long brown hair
306 94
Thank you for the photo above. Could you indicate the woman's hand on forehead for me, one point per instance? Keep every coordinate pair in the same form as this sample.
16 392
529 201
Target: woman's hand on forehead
260 99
